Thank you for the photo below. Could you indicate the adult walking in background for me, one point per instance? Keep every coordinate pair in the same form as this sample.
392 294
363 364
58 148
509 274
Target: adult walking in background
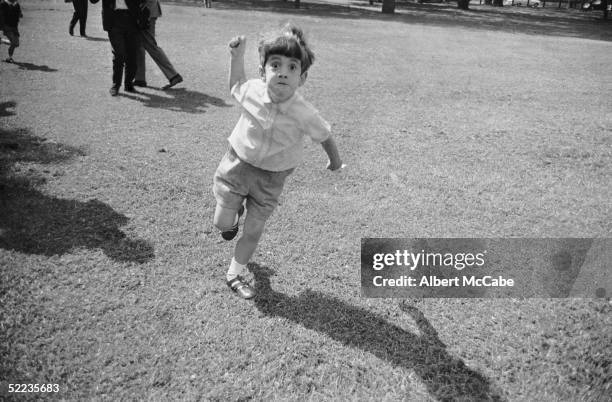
148 43
123 20
80 16
10 14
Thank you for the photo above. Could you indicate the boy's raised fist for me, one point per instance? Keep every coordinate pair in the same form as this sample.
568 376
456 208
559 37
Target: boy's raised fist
237 41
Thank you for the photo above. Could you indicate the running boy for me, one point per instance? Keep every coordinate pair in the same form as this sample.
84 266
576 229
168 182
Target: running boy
267 142
10 13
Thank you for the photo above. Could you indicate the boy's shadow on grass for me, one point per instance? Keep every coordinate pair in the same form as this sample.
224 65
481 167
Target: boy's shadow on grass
34 67
178 99
35 223
446 377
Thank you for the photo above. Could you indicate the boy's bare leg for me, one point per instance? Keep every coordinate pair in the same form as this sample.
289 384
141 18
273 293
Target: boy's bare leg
251 233
226 219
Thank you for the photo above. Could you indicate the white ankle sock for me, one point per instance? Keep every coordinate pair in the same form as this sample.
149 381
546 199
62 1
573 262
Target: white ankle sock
234 270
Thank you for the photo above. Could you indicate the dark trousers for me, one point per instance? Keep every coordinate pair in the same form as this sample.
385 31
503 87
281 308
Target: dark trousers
80 15
148 43
125 41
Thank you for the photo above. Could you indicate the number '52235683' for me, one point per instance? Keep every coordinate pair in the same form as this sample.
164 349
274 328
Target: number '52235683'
33 388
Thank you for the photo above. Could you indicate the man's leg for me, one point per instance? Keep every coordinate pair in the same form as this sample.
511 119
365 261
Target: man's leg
83 22
157 54
80 15
11 51
141 62
75 18
132 42
115 36
141 67
13 38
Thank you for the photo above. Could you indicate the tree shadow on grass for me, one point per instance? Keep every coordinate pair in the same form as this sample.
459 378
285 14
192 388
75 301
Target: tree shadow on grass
177 99
34 67
35 223
446 377
548 21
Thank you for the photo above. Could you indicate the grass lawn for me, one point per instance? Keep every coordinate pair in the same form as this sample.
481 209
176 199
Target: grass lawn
483 123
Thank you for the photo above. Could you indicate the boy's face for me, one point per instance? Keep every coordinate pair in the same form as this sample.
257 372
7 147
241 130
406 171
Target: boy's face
283 76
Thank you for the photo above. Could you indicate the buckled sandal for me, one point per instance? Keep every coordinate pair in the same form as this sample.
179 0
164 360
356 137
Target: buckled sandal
242 288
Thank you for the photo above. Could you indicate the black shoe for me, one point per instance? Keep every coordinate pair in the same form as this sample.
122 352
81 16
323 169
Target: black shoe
177 79
241 288
71 30
84 35
130 88
140 83
230 234
114 91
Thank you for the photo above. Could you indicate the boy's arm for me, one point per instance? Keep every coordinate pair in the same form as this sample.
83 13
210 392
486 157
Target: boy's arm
237 47
335 162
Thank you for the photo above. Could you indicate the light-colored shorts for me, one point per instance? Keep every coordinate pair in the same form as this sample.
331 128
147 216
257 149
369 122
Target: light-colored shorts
236 180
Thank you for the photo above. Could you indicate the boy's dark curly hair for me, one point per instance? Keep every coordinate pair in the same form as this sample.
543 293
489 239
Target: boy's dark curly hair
289 41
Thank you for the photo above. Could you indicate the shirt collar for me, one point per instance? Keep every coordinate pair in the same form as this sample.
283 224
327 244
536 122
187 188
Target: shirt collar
282 106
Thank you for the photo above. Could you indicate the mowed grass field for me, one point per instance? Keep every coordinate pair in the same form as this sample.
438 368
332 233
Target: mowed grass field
487 123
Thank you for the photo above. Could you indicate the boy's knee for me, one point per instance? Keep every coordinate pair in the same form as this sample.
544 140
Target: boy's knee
224 218
223 223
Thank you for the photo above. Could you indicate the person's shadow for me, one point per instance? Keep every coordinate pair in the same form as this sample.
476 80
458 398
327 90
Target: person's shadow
96 39
445 376
36 223
34 67
177 99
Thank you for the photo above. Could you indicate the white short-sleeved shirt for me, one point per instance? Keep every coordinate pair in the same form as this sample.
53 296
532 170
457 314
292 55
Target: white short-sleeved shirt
270 135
